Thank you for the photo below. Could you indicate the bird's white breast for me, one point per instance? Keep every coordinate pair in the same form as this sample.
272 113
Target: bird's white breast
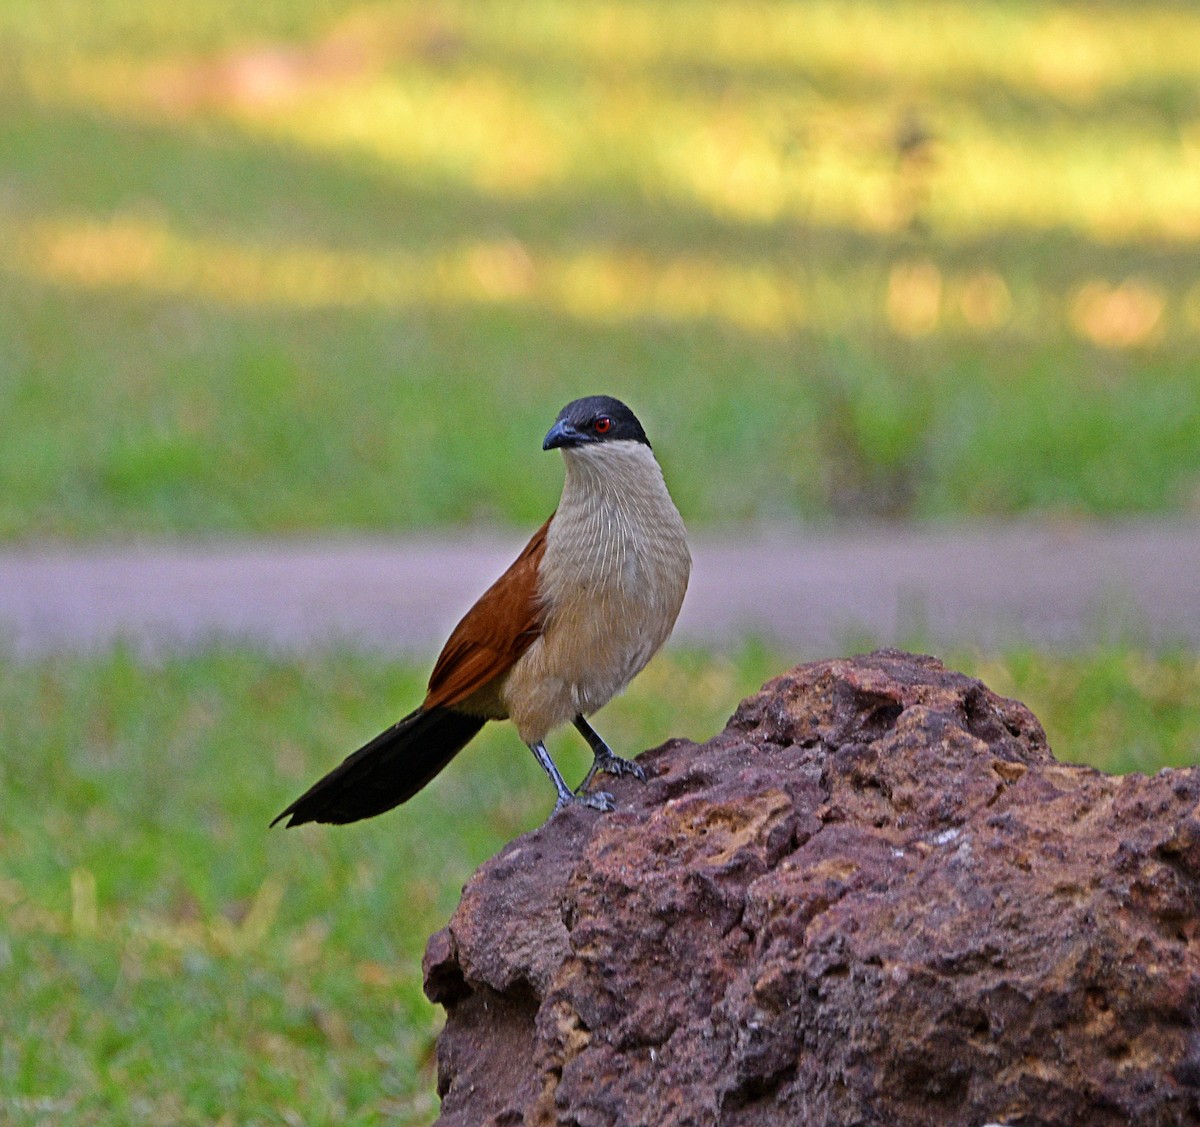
612 578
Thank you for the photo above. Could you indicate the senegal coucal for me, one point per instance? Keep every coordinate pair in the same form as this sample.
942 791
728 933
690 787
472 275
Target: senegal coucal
576 617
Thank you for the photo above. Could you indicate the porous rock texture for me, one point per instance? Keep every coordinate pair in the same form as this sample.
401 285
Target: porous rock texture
874 898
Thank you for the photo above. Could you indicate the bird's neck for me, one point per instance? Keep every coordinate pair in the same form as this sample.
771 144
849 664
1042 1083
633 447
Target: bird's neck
616 477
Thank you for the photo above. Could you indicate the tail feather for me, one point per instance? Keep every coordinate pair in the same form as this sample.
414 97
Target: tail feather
387 771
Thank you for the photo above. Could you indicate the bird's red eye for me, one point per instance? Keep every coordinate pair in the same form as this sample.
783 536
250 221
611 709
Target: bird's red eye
602 425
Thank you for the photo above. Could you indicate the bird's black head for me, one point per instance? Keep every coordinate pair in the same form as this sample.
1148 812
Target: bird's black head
598 418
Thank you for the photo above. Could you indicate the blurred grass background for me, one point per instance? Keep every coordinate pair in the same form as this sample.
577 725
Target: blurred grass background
313 266
332 265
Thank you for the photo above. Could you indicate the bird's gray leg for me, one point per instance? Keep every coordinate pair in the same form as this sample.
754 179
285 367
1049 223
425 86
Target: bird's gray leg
604 759
598 801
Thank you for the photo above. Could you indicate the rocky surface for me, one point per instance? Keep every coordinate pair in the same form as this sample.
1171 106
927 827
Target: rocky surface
875 898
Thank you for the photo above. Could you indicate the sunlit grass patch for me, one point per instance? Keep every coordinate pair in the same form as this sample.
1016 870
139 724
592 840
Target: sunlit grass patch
812 149
1056 49
144 255
755 111
915 299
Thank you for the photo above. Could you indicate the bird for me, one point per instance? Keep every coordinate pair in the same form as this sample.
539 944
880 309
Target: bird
587 603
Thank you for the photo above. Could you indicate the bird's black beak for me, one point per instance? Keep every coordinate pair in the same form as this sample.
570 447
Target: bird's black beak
561 434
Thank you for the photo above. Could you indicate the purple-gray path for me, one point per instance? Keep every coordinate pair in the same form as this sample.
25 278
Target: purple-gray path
810 592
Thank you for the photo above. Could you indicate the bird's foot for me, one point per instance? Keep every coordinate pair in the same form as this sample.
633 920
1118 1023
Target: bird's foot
601 800
611 764
615 765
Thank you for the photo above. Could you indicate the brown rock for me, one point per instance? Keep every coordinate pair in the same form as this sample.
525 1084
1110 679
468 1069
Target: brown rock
875 898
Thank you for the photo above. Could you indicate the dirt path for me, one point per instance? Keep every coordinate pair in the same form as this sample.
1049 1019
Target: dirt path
810 592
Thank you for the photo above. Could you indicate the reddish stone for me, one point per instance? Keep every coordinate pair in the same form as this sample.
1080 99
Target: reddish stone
875 898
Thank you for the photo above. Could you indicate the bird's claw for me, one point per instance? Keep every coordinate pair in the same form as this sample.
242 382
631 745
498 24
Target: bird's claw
600 800
618 766
611 765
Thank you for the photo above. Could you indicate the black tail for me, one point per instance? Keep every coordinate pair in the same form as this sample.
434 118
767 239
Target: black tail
387 771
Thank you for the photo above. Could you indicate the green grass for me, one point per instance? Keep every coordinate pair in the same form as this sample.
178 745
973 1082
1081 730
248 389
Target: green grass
166 959
326 265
